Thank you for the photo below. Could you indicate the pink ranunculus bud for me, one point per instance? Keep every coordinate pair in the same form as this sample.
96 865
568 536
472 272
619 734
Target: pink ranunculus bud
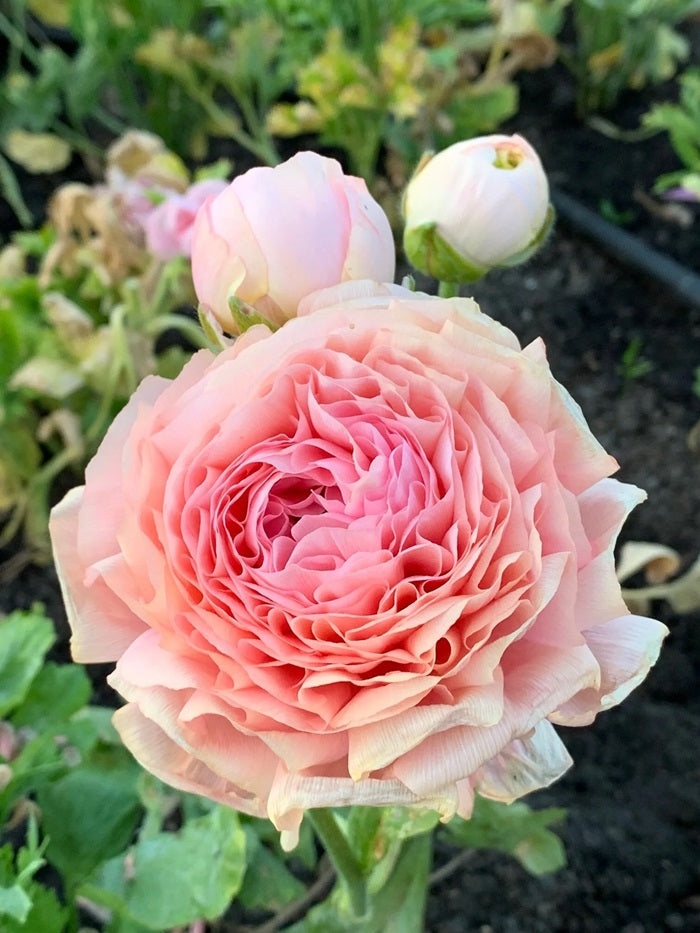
169 226
277 234
476 205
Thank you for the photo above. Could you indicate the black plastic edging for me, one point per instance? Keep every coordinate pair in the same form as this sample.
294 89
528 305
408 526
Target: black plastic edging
628 249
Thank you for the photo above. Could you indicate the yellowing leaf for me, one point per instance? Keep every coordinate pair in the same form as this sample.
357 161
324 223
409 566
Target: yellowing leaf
39 153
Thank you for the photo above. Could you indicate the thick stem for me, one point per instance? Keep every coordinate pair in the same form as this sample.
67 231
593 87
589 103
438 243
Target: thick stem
338 850
448 289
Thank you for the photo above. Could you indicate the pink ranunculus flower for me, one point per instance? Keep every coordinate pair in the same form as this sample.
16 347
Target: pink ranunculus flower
367 559
277 234
169 226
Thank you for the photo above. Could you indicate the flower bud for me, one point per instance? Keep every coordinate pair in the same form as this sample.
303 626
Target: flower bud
278 234
476 205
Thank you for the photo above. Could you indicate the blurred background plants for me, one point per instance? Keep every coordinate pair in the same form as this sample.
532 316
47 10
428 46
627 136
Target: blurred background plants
83 307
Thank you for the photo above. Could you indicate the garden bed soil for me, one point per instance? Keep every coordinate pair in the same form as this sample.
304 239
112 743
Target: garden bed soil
633 829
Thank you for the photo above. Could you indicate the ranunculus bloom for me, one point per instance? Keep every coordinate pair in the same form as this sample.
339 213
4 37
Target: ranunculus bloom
480 203
278 234
367 559
170 225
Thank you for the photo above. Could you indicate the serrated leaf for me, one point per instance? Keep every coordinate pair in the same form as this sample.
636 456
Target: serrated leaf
172 879
25 637
15 903
46 914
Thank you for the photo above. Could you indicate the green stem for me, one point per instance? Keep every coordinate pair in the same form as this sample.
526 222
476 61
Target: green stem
448 289
338 849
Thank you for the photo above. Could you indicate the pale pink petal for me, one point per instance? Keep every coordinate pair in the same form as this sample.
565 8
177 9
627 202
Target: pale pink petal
377 745
87 607
526 764
625 648
158 753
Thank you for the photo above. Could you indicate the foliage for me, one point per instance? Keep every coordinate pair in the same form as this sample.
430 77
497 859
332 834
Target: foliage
682 123
79 334
413 85
140 856
622 44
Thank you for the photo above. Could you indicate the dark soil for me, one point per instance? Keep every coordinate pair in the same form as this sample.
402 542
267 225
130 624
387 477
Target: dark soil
633 794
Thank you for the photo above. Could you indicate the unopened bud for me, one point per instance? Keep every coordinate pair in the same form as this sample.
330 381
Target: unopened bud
474 206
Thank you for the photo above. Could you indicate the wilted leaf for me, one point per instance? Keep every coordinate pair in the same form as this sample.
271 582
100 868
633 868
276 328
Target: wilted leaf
682 594
656 560
39 153
53 12
47 376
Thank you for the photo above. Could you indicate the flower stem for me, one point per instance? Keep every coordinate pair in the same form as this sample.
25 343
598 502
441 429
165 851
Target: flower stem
448 289
338 849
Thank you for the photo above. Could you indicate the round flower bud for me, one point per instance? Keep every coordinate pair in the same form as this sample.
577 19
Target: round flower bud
476 205
277 234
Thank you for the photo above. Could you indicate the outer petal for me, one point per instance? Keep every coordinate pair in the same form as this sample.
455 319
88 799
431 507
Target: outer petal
102 625
170 762
625 648
525 765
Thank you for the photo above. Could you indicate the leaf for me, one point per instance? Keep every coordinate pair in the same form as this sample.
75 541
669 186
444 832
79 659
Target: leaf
513 828
25 637
267 883
89 815
38 153
397 907
541 853
15 903
58 691
172 879
46 914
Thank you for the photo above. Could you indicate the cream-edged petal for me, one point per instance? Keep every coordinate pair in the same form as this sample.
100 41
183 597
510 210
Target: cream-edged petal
102 626
625 648
526 764
292 794
535 685
380 743
174 765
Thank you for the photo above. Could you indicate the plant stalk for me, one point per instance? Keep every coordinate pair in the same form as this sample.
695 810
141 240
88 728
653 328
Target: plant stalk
338 849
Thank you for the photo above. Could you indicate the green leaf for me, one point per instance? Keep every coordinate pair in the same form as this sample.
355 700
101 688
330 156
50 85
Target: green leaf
174 878
25 637
397 907
479 110
515 829
15 903
541 853
46 913
267 883
58 691
89 815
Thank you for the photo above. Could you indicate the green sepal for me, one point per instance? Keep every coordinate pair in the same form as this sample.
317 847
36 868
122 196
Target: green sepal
429 253
246 316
